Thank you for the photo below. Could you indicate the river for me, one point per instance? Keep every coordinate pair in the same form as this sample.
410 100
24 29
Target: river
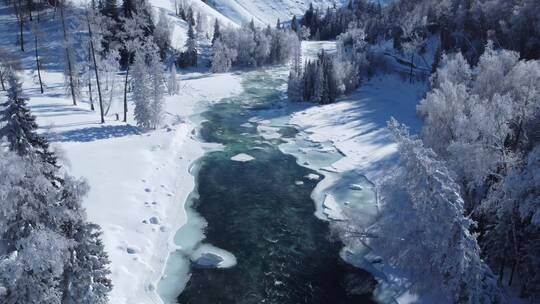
261 211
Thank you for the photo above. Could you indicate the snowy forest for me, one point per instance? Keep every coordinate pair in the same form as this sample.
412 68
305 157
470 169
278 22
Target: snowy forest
190 151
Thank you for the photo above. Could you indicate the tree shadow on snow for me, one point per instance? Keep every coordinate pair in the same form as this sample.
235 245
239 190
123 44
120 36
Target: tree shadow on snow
95 133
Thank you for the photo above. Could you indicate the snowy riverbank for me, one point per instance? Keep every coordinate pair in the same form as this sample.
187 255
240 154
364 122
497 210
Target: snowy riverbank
354 129
139 182
347 143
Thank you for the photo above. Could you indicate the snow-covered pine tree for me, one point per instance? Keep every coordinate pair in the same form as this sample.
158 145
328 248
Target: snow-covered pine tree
141 95
200 28
295 81
33 272
172 82
222 57
42 249
162 33
423 231
318 82
148 86
157 87
19 126
217 32
188 58
88 281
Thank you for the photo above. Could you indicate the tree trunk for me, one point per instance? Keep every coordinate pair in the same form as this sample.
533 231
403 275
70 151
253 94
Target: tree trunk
30 6
90 93
21 33
501 270
66 278
37 62
95 68
512 273
68 57
18 12
125 89
2 81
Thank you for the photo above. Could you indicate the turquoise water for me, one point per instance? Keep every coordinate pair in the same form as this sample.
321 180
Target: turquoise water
257 211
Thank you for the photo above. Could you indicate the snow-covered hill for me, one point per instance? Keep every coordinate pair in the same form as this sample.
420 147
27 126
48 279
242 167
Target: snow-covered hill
265 11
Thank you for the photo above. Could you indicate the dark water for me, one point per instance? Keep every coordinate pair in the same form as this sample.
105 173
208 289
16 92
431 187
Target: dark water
257 212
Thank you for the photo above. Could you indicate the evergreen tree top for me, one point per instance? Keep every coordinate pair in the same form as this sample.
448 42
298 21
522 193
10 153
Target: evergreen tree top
19 126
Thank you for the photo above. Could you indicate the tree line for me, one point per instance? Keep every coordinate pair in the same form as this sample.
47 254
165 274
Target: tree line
330 76
463 25
249 46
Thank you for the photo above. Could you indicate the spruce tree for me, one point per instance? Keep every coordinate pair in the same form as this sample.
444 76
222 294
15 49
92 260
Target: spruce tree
294 24
189 57
217 32
19 126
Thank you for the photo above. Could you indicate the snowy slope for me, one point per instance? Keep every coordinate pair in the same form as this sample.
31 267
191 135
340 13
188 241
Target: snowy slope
267 11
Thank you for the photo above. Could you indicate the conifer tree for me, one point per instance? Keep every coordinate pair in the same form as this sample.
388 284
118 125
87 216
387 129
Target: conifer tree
189 56
217 32
19 126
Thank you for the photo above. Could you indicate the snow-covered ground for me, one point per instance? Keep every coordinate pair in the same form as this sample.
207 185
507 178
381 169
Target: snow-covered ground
356 126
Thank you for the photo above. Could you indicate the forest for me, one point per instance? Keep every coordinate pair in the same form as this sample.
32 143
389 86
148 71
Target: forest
477 152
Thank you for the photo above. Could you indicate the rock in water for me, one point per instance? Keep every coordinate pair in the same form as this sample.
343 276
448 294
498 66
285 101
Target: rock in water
208 260
355 187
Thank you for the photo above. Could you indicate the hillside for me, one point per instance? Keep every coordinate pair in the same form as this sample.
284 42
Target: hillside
267 12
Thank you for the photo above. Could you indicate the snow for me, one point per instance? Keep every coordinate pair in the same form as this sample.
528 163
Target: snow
265 12
268 132
313 176
242 157
332 208
356 126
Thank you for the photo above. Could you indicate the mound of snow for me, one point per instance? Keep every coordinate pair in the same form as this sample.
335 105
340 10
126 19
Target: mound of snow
242 157
332 209
312 176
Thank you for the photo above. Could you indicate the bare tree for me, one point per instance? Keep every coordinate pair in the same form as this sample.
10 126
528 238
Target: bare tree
93 52
38 34
20 17
68 52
